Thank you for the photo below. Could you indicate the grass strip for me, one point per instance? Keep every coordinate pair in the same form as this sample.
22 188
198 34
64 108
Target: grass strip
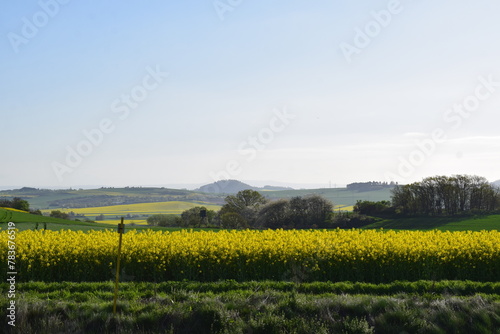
257 307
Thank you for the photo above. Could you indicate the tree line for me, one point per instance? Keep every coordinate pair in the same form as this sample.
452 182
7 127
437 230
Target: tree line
249 209
15 203
446 195
18 204
437 196
370 186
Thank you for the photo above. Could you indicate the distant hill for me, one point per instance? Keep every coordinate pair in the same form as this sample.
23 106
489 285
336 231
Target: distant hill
234 186
496 183
225 187
82 198
213 193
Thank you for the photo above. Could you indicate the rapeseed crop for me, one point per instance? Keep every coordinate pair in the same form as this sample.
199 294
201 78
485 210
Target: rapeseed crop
292 255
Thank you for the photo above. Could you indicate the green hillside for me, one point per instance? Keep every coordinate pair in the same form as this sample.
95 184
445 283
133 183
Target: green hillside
81 198
26 220
473 223
489 222
339 196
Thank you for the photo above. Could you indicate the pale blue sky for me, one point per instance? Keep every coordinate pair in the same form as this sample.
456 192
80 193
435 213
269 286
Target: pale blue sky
366 115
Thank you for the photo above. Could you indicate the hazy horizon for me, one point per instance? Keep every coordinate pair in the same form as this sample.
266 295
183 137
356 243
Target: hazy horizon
190 186
194 186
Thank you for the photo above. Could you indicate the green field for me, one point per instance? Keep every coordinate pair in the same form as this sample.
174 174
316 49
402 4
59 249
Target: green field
7 215
338 196
73 198
474 223
137 203
48 199
26 221
256 307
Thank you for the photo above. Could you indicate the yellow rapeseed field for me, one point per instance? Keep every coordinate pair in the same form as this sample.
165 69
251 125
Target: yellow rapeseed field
15 210
343 208
302 255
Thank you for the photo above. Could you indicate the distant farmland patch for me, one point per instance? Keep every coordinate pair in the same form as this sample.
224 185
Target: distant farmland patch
343 208
138 209
15 210
126 221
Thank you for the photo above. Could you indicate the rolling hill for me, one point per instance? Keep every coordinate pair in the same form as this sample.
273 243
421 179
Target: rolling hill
234 186
83 198
8 215
338 196
68 199
137 203
139 209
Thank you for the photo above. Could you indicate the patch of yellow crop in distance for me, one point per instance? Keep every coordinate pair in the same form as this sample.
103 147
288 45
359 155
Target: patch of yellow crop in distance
125 221
16 210
170 207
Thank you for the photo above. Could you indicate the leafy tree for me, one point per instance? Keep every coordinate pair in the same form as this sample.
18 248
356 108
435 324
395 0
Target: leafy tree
16 203
246 204
233 220
164 220
310 211
297 212
197 216
275 214
36 212
59 214
20 204
373 208
344 219
446 195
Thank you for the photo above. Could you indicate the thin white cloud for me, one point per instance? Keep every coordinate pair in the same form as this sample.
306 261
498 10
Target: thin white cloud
415 134
490 140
